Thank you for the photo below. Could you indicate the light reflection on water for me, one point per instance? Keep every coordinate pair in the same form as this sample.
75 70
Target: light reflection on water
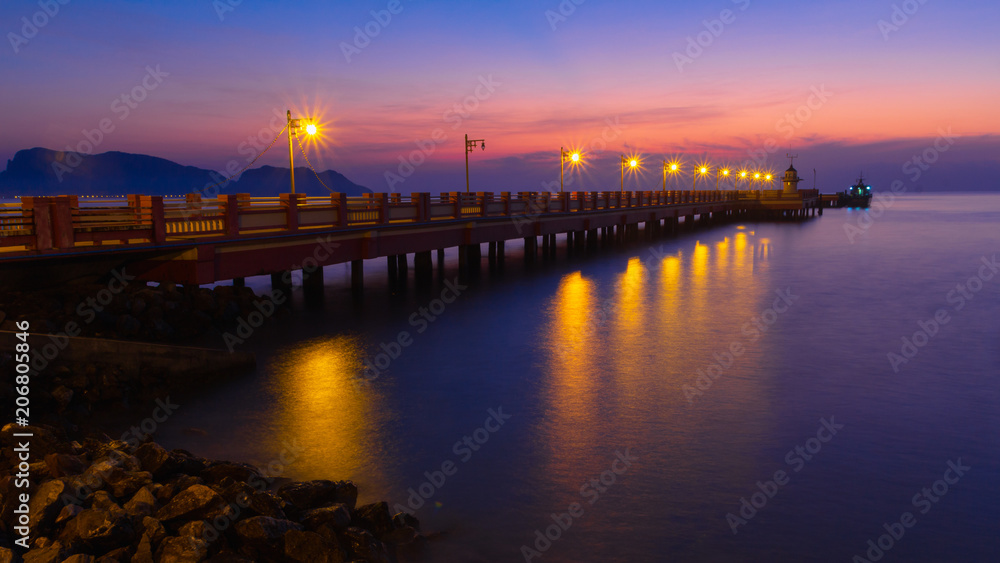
594 356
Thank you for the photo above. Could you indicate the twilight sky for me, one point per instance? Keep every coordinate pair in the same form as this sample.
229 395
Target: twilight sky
847 85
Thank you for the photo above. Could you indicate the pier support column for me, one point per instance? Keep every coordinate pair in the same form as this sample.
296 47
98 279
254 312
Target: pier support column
312 284
546 247
282 281
530 248
402 264
423 266
357 276
500 252
391 267
239 282
491 253
440 259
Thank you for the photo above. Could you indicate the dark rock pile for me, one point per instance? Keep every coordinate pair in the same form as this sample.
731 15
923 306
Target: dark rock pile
134 311
104 501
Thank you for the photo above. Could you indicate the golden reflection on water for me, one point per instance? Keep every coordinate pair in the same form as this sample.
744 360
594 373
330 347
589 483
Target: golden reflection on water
576 315
323 407
665 319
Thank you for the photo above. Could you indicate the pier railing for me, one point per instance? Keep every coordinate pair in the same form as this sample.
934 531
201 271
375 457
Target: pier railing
62 222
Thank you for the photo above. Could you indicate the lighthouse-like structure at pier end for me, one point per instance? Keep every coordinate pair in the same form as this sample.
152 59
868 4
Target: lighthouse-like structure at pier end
791 181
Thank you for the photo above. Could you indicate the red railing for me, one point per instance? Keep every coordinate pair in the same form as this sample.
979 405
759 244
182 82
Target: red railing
60 222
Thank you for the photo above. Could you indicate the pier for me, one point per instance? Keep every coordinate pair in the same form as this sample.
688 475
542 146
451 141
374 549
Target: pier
194 241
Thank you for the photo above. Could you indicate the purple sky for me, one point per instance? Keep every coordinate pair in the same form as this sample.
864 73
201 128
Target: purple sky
847 86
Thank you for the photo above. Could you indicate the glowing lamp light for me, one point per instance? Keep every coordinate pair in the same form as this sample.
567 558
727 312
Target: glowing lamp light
704 170
311 128
633 163
725 173
575 157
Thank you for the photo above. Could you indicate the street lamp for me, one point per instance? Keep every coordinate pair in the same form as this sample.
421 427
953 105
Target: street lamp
723 172
672 168
632 163
742 175
563 155
702 170
470 145
293 127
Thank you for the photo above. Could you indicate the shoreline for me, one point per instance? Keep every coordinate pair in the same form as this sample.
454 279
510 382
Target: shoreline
98 499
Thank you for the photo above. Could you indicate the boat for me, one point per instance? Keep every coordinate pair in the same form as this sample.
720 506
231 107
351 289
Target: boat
858 195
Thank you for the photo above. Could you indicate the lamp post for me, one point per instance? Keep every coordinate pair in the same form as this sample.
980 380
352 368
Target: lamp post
575 157
756 178
703 170
470 145
673 170
293 126
723 172
632 164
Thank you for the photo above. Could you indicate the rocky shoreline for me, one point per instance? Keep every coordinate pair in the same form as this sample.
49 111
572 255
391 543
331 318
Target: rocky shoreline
96 499
99 500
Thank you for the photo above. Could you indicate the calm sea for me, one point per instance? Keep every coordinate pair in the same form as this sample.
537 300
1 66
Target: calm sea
750 392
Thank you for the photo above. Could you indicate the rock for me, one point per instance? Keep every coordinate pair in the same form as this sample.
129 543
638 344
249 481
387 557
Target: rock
314 494
374 518
61 465
310 547
154 530
104 501
402 519
362 544
193 503
187 463
79 558
229 557
120 555
144 551
153 458
45 506
183 549
142 503
337 516
52 553
126 484
6 555
69 511
264 535
194 529
63 395
242 472
97 531
175 485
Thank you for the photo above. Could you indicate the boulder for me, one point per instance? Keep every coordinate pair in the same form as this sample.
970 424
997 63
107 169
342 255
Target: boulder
61 465
374 518
310 547
142 503
217 471
153 458
79 558
124 484
264 535
336 515
183 549
52 553
68 512
314 494
97 531
193 503
45 506
362 544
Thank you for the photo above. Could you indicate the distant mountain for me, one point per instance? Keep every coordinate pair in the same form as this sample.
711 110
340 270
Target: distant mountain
41 171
